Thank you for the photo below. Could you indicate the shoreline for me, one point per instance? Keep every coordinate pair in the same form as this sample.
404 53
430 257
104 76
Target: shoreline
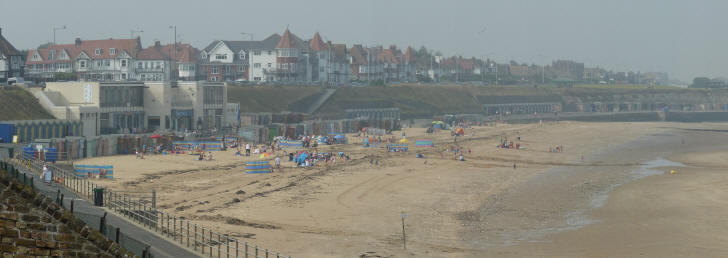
454 208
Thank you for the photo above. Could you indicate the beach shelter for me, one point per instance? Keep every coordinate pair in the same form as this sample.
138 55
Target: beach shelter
424 143
257 167
340 139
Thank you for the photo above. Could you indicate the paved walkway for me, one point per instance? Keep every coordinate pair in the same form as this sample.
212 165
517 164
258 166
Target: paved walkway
160 246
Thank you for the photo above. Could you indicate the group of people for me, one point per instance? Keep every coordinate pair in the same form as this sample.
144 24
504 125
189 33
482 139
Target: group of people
314 158
202 156
557 148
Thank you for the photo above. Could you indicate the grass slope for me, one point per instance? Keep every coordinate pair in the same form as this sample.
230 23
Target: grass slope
18 104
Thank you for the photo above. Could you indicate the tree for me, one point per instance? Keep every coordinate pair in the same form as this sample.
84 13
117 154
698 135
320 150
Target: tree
700 82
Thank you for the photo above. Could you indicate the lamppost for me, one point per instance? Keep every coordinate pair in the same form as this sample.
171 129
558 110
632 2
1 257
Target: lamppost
174 59
135 31
249 34
54 32
250 56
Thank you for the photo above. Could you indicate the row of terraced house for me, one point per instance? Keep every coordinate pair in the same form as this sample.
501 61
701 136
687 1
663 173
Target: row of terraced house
277 58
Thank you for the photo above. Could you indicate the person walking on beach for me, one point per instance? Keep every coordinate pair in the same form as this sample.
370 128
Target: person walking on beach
278 162
47 175
514 165
247 149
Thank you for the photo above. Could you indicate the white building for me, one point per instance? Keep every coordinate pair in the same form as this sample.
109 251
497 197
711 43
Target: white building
11 60
117 107
90 60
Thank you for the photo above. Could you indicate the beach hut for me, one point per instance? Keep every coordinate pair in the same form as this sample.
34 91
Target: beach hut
257 167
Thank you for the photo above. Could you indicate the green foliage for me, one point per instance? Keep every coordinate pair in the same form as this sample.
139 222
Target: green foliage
700 82
66 76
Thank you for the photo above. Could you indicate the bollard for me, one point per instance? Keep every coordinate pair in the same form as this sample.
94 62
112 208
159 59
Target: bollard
117 235
188 233
71 205
210 240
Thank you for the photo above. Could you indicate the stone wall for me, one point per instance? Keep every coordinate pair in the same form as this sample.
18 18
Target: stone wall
33 225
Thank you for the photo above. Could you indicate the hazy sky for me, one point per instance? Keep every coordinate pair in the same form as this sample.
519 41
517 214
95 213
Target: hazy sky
683 38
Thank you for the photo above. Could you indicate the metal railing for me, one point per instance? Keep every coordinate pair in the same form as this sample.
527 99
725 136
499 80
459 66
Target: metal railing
96 222
177 229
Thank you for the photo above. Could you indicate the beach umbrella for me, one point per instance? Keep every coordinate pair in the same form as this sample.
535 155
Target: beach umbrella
339 136
156 136
403 141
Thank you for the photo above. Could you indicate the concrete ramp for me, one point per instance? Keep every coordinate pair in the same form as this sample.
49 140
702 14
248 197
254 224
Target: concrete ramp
320 101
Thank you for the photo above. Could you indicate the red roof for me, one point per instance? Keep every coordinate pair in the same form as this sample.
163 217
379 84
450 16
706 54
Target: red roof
286 40
185 53
317 44
131 46
408 55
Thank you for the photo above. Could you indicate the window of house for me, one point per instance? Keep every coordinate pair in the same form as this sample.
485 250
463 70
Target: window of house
270 65
284 65
256 78
215 70
107 62
97 51
270 52
220 56
82 64
256 53
112 51
140 65
123 63
51 55
214 79
256 65
227 69
242 55
241 69
123 76
36 56
144 77
204 56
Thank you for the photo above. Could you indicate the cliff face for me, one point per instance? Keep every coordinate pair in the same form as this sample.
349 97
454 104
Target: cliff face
33 225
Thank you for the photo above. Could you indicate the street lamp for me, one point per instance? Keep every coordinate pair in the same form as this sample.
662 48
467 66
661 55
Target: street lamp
174 60
135 31
249 34
54 32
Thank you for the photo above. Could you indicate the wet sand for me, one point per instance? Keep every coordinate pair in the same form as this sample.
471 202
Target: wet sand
553 204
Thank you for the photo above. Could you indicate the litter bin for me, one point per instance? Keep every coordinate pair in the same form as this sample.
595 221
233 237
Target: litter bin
99 196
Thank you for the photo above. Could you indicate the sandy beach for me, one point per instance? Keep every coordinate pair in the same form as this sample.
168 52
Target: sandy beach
606 194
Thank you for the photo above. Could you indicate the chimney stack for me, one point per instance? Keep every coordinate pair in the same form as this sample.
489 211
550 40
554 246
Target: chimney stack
1 31
157 44
78 42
